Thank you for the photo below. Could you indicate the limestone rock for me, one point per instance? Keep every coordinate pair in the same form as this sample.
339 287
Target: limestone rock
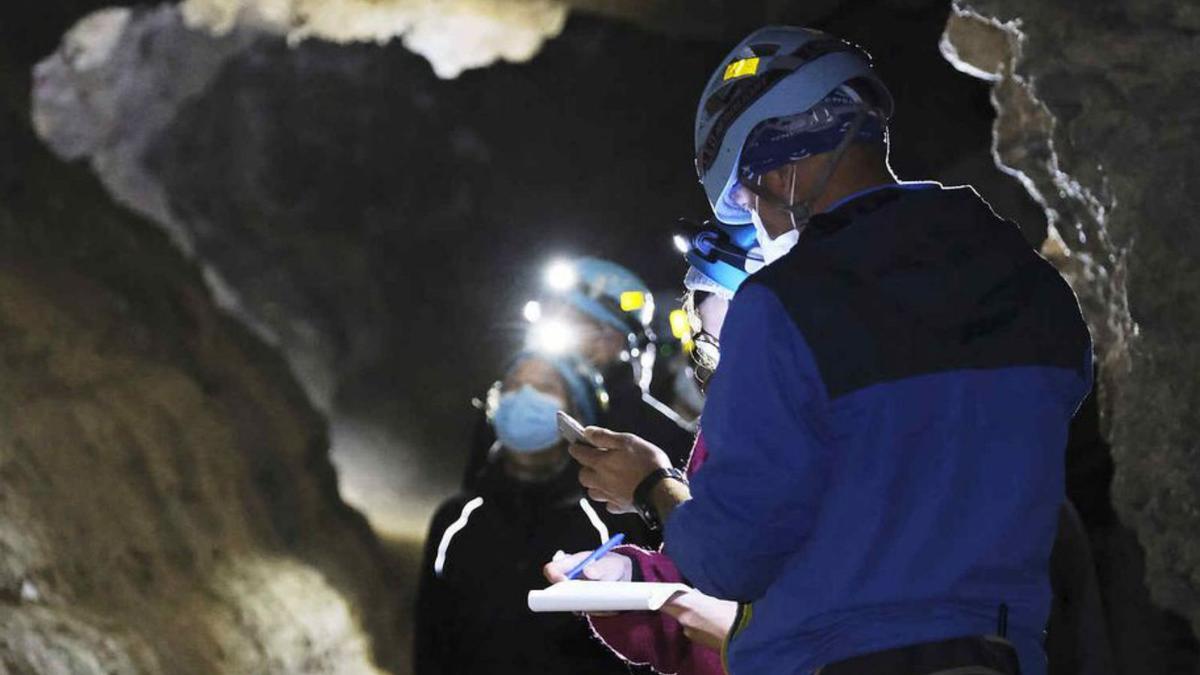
454 35
167 504
1099 116
115 81
458 35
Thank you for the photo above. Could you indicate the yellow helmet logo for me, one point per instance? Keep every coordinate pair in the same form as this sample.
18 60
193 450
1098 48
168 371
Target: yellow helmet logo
741 68
632 300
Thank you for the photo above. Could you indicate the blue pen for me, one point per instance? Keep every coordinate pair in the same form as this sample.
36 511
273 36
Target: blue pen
596 555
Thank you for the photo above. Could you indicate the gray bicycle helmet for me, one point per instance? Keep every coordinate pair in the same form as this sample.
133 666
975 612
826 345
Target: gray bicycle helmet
774 72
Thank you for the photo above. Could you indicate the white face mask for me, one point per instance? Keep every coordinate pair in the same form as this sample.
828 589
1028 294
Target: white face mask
772 249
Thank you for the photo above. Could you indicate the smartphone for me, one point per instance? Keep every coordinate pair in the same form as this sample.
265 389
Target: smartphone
571 430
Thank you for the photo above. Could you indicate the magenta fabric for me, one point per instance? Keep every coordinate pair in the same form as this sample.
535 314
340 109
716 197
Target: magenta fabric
655 638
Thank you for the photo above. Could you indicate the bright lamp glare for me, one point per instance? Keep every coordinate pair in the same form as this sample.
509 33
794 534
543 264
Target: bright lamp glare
551 337
532 311
681 243
647 313
560 275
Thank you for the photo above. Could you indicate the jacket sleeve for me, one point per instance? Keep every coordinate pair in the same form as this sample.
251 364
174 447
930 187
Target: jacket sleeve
653 638
753 500
434 639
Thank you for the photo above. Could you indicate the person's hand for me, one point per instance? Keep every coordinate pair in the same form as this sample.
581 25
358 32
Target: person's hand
705 619
610 567
612 474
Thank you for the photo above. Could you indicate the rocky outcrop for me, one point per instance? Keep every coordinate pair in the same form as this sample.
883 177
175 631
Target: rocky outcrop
112 87
459 35
166 500
1098 116
454 35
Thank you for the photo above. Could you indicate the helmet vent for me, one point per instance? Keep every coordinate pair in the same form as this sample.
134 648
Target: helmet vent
735 100
810 51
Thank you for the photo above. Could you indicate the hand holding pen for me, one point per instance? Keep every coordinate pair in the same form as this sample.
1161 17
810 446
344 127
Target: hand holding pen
598 565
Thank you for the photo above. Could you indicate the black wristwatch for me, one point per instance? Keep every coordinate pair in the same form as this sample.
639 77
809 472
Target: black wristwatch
641 494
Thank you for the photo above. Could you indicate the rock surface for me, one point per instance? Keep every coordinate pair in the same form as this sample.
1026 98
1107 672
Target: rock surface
1099 115
112 87
454 35
458 35
166 500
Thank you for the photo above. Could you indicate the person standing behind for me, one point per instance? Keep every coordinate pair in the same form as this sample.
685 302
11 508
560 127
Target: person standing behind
486 546
600 311
682 637
886 431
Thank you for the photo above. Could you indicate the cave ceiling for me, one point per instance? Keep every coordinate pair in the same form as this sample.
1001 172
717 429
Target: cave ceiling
455 35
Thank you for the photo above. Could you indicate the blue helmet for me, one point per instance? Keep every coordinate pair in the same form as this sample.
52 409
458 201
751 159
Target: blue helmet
605 291
585 386
774 72
525 419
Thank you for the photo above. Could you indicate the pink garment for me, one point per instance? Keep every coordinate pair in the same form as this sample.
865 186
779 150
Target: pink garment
656 638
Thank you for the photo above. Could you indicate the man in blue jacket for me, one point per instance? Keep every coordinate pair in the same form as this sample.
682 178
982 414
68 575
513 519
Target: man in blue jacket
888 422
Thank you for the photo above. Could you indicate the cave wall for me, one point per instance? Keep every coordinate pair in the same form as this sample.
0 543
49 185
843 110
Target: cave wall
167 504
1099 116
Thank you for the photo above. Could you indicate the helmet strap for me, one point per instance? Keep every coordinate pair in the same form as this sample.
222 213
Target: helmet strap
799 212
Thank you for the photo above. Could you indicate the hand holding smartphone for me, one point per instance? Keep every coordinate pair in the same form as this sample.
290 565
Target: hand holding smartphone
571 430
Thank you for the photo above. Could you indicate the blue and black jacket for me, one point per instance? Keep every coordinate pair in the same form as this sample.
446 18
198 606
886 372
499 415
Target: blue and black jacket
887 430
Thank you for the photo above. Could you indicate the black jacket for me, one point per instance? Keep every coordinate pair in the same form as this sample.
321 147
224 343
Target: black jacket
484 553
1076 637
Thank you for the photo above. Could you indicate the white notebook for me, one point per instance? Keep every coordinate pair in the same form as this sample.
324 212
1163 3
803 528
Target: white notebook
603 596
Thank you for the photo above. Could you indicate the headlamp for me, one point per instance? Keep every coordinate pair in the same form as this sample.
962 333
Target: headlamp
681 243
552 336
532 311
604 291
561 276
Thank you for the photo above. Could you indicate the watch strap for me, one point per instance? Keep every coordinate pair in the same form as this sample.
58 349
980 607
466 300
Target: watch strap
641 494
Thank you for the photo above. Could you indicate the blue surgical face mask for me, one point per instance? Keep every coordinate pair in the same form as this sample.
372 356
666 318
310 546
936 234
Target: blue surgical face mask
525 420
